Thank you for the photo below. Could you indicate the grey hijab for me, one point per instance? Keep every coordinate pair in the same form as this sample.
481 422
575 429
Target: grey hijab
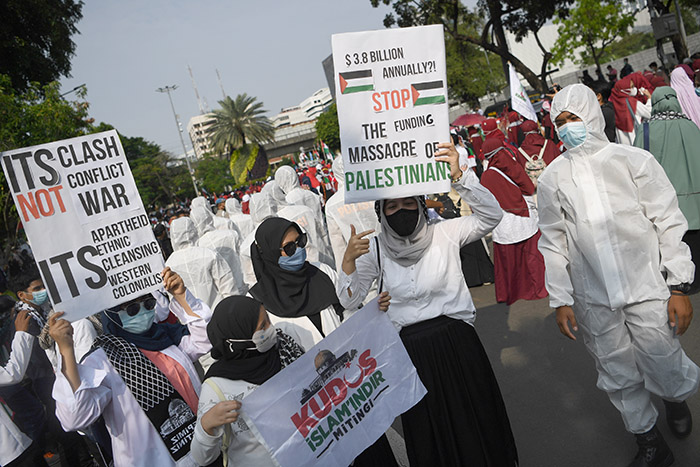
406 251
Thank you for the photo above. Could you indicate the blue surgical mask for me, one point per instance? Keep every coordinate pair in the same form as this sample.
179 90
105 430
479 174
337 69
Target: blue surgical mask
294 262
572 134
140 322
39 297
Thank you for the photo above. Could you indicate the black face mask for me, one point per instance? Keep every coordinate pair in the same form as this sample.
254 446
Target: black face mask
403 221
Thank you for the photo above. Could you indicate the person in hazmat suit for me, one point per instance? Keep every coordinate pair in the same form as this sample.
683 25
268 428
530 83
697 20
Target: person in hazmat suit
305 218
220 223
205 273
617 270
262 206
340 215
287 180
243 222
224 242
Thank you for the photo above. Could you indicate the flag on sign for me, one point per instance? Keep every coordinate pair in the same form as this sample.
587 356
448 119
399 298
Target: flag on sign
520 102
356 81
431 92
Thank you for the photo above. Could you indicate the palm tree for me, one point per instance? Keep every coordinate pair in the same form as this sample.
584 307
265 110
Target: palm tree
239 122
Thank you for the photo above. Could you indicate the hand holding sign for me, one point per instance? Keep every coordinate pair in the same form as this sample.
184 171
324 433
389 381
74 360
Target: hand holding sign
61 331
447 153
383 301
357 246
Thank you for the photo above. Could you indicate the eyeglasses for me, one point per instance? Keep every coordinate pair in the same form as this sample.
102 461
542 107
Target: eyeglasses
291 247
132 309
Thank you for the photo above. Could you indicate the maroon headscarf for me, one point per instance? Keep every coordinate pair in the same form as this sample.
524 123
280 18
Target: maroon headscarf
508 195
533 142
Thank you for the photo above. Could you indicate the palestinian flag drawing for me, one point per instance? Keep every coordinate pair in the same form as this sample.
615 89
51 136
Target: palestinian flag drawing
356 81
428 93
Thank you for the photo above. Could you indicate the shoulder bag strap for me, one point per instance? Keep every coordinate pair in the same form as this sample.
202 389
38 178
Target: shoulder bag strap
380 280
529 159
226 442
646 136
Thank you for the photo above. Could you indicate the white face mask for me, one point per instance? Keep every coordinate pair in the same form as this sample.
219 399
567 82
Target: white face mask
264 340
632 92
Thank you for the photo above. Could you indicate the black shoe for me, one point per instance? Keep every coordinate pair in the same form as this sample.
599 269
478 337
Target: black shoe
653 450
679 419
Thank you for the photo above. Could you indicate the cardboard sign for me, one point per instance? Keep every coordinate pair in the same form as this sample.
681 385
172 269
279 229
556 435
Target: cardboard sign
85 222
339 397
391 93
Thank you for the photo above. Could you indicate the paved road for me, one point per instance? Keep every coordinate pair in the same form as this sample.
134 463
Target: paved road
558 416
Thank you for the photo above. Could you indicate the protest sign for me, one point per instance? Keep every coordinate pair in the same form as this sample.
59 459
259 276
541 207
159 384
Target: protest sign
391 94
339 397
85 222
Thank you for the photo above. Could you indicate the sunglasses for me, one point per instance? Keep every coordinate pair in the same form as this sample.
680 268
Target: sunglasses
291 247
132 309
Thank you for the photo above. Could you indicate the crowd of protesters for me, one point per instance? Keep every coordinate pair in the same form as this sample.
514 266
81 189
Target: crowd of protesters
596 205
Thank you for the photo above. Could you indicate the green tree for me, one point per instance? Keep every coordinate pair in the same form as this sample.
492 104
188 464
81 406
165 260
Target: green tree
159 178
485 27
34 116
239 122
593 24
327 129
35 39
214 174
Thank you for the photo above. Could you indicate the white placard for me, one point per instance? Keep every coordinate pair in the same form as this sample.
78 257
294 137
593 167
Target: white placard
339 397
519 100
85 222
391 94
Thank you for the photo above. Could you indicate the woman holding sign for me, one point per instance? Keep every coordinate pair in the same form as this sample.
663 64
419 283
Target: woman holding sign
139 377
462 420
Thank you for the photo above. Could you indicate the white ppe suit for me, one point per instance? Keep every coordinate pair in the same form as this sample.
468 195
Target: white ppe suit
611 229
243 222
287 181
262 206
220 223
340 215
304 217
224 242
205 274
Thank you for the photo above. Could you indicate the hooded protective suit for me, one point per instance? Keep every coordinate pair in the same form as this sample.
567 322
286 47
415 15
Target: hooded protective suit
340 215
611 229
224 242
220 223
243 222
316 250
262 206
205 273
288 181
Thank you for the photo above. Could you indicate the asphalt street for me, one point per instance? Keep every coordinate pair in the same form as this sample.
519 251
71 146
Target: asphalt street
558 416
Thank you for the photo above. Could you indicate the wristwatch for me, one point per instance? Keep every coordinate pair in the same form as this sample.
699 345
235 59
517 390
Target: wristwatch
683 288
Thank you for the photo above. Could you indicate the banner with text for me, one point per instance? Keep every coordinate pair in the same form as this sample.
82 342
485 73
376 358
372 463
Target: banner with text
339 397
85 222
391 94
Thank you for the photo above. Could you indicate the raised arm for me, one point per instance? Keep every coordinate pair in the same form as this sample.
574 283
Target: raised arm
22 343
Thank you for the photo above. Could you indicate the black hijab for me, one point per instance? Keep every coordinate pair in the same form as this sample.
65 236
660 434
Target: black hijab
237 317
288 294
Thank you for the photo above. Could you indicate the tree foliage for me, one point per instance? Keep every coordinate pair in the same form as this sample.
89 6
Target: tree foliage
593 24
239 122
34 116
485 27
213 174
159 177
327 129
35 39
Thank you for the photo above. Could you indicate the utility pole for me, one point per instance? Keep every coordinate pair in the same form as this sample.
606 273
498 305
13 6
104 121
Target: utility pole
167 90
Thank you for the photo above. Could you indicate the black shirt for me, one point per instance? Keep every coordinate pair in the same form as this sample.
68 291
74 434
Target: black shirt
609 115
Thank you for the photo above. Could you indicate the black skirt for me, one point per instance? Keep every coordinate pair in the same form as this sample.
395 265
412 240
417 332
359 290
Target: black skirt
477 267
462 420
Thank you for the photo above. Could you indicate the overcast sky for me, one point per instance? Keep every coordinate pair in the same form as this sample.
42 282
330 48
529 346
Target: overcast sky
269 49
